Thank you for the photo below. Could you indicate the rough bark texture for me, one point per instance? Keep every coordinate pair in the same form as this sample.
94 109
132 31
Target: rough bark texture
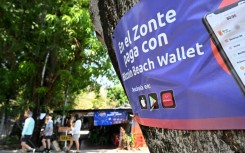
105 15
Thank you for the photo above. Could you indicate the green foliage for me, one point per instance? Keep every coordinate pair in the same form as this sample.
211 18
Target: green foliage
132 138
117 95
102 99
128 140
99 103
41 90
11 140
27 69
84 100
48 52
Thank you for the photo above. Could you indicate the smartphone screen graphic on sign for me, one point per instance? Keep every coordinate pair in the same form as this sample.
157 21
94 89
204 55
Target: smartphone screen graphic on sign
227 29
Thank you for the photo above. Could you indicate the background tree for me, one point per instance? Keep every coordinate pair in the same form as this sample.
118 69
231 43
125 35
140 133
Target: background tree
116 96
110 97
49 52
105 16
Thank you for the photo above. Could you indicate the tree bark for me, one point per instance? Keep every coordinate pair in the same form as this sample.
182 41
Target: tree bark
105 15
2 122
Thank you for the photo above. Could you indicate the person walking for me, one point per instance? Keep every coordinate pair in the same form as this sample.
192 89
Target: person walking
27 132
47 134
75 134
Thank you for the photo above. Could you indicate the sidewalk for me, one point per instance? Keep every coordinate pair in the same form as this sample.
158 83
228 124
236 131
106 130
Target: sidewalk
86 147
141 150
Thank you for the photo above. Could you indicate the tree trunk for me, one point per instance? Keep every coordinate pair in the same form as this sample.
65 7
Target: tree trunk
105 15
2 122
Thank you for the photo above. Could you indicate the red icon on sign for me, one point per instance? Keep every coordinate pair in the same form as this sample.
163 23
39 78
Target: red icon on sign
168 99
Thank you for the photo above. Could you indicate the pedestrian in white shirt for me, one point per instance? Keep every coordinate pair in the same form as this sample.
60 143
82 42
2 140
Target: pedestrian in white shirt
27 133
76 133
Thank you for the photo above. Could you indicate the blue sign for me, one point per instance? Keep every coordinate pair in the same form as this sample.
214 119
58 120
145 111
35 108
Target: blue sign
170 67
109 117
